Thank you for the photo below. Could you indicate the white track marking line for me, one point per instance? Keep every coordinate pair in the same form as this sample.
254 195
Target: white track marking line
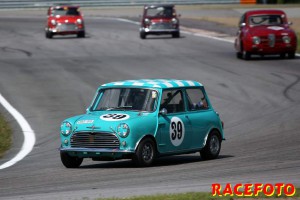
29 135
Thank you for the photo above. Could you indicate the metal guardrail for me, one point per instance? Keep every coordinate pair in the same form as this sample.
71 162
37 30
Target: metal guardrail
9 4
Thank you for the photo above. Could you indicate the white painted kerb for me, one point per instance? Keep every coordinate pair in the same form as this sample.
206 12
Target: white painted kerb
29 136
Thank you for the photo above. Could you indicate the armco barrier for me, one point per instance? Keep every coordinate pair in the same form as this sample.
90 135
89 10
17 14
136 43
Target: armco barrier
7 4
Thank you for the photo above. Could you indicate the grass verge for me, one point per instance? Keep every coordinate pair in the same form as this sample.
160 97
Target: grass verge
202 196
5 136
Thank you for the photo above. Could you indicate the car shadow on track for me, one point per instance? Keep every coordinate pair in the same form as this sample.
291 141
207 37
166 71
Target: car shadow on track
160 162
155 37
267 58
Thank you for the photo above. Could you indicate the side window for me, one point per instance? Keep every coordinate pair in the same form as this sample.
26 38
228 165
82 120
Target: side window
242 20
172 100
196 99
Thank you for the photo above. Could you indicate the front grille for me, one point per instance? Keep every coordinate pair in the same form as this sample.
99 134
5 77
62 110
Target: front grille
94 140
163 25
271 40
66 27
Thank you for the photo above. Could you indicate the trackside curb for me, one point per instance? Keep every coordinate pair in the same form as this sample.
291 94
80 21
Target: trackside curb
29 135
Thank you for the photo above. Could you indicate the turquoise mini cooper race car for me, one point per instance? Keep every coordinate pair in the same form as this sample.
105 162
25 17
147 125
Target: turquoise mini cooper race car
142 120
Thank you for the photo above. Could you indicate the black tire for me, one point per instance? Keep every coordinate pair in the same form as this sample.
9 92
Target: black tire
69 161
291 55
81 34
142 35
145 153
239 55
176 34
246 55
282 55
212 147
49 34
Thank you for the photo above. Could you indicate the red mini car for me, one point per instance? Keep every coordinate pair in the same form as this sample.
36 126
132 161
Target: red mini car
64 20
264 32
159 19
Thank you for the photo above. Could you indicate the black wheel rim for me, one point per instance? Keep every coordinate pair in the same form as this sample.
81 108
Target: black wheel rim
147 152
214 145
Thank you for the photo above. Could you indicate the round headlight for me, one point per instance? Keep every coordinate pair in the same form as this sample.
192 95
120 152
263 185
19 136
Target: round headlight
286 39
123 130
66 128
53 22
147 21
174 21
256 40
79 21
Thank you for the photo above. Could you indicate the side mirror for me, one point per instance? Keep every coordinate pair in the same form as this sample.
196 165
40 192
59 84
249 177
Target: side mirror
290 23
163 111
242 25
88 110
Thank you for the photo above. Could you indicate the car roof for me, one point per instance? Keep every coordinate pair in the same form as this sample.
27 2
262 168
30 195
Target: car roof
154 83
158 5
63 6
269 11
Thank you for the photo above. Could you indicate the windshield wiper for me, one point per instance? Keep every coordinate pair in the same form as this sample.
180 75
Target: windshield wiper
119 108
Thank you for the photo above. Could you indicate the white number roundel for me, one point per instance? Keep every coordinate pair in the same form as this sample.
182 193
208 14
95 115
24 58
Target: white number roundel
176 131
114 117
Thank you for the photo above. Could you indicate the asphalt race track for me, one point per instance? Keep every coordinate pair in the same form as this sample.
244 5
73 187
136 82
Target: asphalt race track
49 80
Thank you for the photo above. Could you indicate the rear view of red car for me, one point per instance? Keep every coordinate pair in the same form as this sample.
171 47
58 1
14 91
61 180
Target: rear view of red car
64 20
265 32
158 20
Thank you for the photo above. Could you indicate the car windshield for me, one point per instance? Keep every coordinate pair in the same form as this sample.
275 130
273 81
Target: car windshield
65 11
135 99
259 20
160 12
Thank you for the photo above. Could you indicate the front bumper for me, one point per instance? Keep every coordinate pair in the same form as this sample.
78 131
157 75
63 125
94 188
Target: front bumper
96 152
65 29
159 31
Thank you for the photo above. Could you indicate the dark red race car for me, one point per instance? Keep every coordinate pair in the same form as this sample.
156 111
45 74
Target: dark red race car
265 32
159 19
64 20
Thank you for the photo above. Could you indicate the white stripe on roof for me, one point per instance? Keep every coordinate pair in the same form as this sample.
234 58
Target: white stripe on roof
179 83
190 83
138 83
119 83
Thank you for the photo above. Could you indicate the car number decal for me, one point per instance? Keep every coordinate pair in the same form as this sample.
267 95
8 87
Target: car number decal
177 131
114 117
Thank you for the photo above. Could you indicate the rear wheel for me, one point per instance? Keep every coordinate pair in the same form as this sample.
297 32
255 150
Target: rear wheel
212 147
145 153
69 161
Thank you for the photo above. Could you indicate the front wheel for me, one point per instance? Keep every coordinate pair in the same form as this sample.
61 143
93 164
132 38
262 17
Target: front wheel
48 34
212 147
69 161
81 34
176 34
142 35
291 55
145 153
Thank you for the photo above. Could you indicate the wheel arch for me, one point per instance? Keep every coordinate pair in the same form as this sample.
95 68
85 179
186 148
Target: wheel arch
144 137
212 130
